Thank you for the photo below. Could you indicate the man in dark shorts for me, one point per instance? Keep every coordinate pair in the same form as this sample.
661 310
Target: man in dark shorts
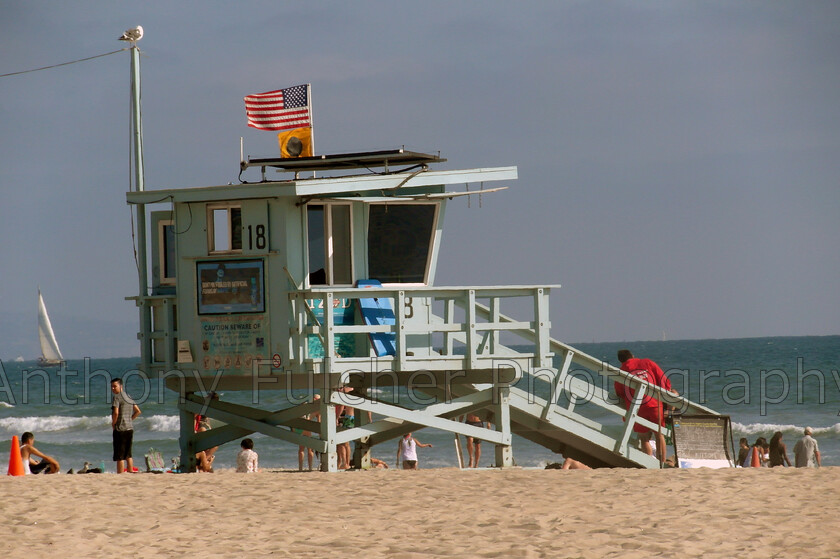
473 444
47 464
123 413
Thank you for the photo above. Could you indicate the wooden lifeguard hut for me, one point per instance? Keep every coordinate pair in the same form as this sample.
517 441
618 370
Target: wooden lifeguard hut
324 285
319 284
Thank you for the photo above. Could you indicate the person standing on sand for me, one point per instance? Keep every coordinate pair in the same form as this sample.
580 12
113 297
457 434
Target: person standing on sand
778 451
807 451
407 452
316 416
757 450
650 408
123 413
743 452
473 444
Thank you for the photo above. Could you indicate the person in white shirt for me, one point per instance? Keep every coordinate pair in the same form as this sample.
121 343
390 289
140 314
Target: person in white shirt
807 451
247 461
407 451
28 452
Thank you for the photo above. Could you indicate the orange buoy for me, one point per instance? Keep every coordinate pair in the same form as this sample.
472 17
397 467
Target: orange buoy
15 461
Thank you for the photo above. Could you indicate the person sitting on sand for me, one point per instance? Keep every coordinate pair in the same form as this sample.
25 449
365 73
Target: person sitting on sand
202 423
203 462
407 451
778 451
47 464
204 459
247 461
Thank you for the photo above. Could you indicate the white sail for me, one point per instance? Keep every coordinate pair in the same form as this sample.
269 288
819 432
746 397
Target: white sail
49 346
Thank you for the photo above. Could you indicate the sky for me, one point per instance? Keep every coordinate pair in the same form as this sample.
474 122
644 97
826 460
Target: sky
679 163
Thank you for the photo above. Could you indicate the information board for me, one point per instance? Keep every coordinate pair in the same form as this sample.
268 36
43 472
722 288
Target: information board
703 441
233 342
230 286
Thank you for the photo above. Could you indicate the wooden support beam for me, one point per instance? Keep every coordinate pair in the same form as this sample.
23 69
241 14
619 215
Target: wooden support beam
629 417
327 431
504 451
264 428
186 441
430 416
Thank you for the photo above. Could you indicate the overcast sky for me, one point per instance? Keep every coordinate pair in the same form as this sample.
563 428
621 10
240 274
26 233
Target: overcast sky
679 163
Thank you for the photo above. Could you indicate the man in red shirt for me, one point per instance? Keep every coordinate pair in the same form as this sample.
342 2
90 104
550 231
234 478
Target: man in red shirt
650 408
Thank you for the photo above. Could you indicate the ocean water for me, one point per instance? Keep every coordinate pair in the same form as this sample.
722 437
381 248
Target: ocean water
763 384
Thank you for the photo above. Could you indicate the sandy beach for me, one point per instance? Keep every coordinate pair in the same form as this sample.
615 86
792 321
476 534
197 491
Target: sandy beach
439 513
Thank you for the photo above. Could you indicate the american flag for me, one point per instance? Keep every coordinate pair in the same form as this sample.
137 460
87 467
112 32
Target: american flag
283 109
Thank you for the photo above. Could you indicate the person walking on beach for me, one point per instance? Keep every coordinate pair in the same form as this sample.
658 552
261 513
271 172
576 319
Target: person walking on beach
778 451
807 452
123 413
650 408
407 452
473 444
47 464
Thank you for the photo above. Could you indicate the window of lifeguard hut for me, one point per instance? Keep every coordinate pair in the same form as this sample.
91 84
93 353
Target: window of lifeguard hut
224 231
330 244
399 241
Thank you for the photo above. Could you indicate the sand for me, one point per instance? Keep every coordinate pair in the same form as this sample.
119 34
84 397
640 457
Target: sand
427 513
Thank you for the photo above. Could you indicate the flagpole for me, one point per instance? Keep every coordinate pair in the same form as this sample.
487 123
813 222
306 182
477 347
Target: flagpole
137 136
311 121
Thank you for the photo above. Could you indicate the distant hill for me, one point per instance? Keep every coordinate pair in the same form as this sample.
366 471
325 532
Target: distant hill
77 337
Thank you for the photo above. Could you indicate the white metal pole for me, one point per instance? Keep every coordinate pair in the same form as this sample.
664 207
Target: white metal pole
138 166
142 275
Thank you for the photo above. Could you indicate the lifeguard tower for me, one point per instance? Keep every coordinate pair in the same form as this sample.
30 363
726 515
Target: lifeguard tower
325 285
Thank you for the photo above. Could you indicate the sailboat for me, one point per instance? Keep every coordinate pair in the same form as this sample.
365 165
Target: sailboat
50 353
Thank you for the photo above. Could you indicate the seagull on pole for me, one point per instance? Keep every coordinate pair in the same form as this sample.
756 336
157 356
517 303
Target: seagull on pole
132 35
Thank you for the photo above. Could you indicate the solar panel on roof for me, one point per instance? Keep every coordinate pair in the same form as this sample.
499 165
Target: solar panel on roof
362 160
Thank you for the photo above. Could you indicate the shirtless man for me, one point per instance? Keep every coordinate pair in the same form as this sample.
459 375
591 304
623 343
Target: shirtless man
473 444
27 451
572 464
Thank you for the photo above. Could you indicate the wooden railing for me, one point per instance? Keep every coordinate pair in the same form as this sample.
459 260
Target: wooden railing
465 336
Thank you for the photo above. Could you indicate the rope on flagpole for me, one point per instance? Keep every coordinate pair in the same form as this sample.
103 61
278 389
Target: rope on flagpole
62 64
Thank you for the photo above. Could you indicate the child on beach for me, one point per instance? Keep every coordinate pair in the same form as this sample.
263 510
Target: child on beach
407 451
28 451
247 461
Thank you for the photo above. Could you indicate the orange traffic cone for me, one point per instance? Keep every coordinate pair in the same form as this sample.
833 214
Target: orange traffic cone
755 461
15 461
